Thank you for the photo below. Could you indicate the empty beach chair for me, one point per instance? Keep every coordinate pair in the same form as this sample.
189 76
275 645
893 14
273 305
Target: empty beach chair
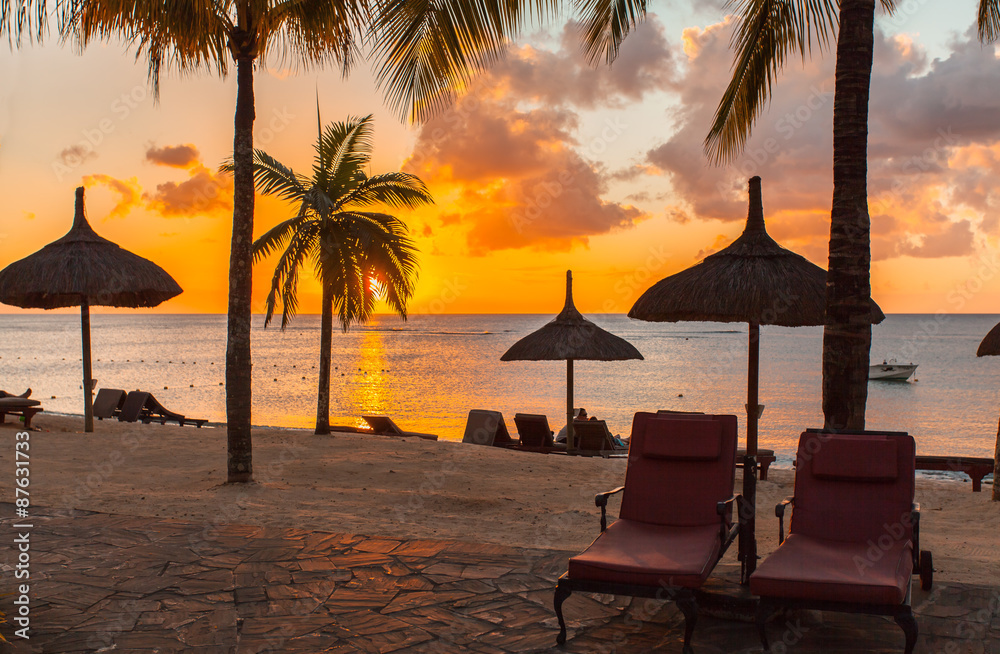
675 521
384 426
487 428
144 407
853 539
109 403
593 438
534 433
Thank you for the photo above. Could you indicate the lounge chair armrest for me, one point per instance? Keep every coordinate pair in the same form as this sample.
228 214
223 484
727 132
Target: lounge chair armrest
726 508
601 500
779 512
728 531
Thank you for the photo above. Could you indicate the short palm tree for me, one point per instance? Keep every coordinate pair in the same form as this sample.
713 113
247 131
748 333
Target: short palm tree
424 52
356 255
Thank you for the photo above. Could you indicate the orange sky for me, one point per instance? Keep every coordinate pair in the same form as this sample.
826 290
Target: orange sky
546 165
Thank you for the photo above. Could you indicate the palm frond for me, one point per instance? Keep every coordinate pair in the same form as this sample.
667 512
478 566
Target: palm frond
310 33
391 189
25 18
988 20
271 177
341 153
767 31
605 25
303 243
184 34
428 50
275 238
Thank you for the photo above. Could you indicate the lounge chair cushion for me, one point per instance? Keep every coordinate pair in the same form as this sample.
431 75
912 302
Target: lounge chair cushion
17 402
693 441
850 460
631 552
687 489
828 493
803 567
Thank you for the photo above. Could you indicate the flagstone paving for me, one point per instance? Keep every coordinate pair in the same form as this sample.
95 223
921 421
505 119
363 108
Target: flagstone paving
112 583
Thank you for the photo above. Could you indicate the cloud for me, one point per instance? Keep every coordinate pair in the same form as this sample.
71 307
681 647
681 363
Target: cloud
128 191
76 155
203 192
933 126
511 156
564 77
175 156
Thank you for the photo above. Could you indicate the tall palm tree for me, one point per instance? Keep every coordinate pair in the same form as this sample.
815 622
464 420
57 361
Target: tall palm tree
767 31
425 51
358 256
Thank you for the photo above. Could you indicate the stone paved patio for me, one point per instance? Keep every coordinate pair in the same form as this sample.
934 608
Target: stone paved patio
110 583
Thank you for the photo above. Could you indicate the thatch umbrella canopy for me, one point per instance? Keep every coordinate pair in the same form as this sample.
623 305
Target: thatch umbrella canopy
756 281
991 347
81 268
570 336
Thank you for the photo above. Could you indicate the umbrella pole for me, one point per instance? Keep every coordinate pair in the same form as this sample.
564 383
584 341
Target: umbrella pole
748 536
570 441
88 400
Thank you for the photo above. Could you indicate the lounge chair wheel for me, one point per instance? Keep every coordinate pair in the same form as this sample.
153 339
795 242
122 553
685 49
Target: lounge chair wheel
926 570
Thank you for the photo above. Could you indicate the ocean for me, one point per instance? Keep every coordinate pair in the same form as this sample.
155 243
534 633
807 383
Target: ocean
428 372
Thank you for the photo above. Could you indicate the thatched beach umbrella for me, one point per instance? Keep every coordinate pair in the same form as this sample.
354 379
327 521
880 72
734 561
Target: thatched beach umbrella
570 336
756 281
81 268
991 347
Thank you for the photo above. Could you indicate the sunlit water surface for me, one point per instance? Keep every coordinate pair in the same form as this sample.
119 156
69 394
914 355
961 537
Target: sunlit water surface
429 371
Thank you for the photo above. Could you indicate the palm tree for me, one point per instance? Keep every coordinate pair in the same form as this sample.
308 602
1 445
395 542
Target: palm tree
767 31
425 52
358 256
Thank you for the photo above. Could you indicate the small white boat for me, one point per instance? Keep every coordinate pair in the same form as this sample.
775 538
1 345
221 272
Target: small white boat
891 371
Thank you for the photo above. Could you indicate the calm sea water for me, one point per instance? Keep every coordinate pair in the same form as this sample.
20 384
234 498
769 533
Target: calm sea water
428 372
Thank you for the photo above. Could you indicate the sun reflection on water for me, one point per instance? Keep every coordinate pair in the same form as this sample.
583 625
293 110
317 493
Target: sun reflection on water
368 392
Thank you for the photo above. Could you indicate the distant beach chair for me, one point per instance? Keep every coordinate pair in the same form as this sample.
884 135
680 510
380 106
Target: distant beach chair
142 406
19 405
487 428
851 490
109 403
593 438
384 426
534 432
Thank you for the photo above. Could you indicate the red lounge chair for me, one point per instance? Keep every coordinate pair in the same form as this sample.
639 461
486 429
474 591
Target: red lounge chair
853 539
675 521
487 428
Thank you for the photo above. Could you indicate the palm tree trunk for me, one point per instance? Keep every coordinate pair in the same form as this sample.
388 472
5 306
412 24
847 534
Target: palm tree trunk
238 362
847 336
325 354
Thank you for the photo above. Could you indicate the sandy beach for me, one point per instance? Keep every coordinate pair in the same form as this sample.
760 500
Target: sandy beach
405 487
